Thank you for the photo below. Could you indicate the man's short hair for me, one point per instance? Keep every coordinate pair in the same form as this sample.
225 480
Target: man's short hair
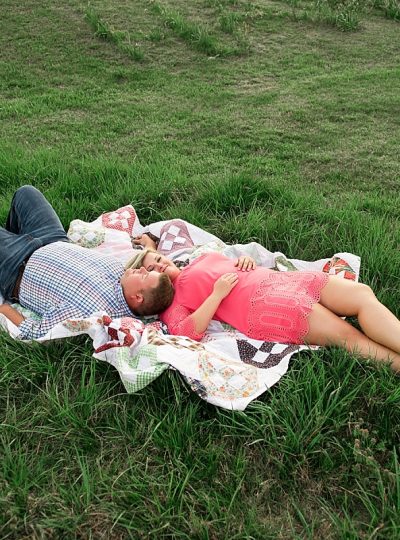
158 298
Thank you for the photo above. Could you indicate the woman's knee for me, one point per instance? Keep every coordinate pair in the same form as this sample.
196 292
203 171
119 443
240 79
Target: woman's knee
366 290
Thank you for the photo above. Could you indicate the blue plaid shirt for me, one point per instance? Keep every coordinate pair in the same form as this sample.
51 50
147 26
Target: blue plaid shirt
63 281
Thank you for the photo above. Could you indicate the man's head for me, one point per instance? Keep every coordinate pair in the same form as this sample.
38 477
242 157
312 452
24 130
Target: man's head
146 293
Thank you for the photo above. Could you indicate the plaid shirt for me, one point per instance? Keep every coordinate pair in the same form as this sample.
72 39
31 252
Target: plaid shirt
63 281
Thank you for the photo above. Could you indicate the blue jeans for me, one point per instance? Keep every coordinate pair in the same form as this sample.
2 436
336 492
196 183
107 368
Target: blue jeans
31 224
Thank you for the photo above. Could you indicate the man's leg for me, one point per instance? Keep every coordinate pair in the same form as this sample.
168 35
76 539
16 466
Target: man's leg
31 224
33 215
14 250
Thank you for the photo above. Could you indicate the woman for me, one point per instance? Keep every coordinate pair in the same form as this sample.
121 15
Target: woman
286 307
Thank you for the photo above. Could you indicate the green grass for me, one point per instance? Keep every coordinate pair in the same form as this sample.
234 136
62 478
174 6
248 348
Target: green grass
290 139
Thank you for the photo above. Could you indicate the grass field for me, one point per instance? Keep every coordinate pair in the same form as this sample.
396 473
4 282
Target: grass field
275 121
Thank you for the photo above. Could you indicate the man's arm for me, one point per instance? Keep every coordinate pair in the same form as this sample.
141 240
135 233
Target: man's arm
34 329
12 314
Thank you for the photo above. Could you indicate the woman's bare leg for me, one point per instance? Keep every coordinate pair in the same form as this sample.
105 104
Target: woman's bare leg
326 328
347 298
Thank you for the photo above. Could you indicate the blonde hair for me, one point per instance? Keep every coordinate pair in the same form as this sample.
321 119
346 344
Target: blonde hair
137 260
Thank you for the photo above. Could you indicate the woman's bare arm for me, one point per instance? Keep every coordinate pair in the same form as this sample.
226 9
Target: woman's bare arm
146 240
222 287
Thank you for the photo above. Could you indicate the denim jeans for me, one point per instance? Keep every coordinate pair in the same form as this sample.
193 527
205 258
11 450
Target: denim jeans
31 224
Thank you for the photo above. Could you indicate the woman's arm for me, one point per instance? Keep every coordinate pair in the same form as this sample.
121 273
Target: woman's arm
147 240
222 287
181 322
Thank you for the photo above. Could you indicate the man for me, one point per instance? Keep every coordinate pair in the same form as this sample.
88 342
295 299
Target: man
45 273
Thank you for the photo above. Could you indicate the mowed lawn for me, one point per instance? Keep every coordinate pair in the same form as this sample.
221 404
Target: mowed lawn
273 121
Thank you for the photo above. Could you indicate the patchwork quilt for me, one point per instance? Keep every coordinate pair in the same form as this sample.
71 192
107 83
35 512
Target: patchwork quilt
226 368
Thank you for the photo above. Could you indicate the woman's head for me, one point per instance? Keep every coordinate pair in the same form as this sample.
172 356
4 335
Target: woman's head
152 260
137 260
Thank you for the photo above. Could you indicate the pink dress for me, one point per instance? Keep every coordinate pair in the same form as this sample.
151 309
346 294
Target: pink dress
265 304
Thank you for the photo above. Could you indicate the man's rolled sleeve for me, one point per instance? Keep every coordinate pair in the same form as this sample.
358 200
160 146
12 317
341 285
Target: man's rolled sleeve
34 329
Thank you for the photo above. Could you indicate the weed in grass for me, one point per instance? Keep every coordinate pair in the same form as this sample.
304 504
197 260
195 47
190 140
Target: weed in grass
391 8
342 14
221 4
133 51
228 22
101 29
347 20
156 35
193 33
119 38
346 14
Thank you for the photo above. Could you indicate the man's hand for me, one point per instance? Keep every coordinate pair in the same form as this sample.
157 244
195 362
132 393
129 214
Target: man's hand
245 263
12 314
224 284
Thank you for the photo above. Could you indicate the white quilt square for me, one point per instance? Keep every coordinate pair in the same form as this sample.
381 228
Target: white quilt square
174 230
75 237
167 245
237 381
259 357
144 362
217 380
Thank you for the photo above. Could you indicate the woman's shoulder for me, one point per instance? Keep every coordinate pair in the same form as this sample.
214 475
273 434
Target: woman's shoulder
206 257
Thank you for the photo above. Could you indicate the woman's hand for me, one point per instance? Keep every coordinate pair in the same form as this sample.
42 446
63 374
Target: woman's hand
144 240
245 263
224 284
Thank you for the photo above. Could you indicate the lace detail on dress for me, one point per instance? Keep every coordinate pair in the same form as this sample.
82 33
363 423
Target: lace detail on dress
180 322
279 309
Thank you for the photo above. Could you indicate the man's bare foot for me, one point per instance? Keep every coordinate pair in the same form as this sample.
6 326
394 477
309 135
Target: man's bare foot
144 240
